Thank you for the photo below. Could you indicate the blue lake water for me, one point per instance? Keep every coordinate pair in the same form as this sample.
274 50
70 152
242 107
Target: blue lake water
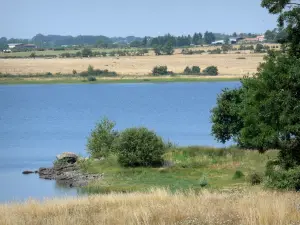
37 122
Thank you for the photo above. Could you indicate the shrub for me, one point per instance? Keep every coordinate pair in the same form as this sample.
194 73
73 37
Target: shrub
140 147
216 51
91 79
101 140
65 55
90 69
86 52
32 55
211 70
279 178
259 48
196 70
78 54
255 178
203 182
238 174
187 70
160 70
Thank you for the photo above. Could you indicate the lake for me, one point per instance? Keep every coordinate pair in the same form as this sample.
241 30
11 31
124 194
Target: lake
37 122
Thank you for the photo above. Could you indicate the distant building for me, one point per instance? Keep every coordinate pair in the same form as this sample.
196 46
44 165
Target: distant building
235 40
21 46
260 38
220 42
14 45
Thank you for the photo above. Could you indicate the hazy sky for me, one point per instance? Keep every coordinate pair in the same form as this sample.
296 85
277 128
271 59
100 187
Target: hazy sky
25 18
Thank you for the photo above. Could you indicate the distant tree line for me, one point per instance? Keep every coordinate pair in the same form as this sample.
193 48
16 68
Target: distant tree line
53 41
277 35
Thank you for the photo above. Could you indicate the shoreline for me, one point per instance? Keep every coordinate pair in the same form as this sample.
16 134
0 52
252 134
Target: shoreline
59 80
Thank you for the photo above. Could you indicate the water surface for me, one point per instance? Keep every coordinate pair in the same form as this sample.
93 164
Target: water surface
37 122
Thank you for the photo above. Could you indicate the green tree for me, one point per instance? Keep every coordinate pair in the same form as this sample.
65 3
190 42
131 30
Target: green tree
227 41
168 49
264 113
196 70
211 70
197 39
187 71
136 44
289 19
157 49
86 52
90 69
145 41
209 37
270 35
259 48
102 138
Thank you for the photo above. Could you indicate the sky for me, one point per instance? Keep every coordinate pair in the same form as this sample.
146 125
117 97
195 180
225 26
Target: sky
26 18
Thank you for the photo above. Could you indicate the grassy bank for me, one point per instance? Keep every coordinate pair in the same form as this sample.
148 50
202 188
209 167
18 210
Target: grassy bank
130 79
159 207
185 168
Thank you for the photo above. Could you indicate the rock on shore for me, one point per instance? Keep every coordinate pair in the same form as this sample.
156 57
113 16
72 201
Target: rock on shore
68 175
66 172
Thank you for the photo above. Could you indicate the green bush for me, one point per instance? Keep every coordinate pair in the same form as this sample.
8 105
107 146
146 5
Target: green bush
255 178
160 70
140 147
215 51
91 79
196 70
238 174
102 138
211 70
187 70
86 52
279 178
203 182
90 69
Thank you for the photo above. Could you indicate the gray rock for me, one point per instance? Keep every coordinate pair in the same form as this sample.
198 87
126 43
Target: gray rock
27 172
67 155
68 175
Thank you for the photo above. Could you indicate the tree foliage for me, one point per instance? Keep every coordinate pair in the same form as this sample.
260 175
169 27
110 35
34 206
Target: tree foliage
289 19
211 70
102 138
209 37
264 113
140 147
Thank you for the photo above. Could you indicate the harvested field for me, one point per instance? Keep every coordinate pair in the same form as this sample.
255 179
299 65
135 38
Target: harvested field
228 64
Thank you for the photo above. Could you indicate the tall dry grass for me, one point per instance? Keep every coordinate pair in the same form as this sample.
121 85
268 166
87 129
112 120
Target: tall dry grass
159 207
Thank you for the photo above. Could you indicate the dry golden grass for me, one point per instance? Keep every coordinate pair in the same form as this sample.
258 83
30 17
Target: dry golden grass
159 207
228 64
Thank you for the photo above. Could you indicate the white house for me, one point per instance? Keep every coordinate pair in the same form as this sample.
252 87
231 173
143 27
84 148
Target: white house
220 42
14 45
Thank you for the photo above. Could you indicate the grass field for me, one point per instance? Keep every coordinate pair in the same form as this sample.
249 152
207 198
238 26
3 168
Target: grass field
228 64
123 79
174 194
187 168
160 207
